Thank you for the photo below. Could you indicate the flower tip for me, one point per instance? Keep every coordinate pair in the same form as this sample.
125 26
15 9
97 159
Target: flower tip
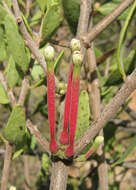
77 57
69 151
64 138
49 53
53 146
75 44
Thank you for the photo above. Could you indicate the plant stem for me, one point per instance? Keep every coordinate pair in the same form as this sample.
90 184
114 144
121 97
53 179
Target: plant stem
59 176
5 173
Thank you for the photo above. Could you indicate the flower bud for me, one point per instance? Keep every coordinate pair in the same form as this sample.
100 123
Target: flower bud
75 45
61 85
77 57
99 140
49 53
62 92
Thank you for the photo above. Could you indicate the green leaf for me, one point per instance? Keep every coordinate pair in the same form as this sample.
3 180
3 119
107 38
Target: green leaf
9 3
36 18
129 150
58 62
3 54
17 153
71 12
42 4
122 36
37 71
15 129
107 8
129 64
3 96
50 2
3 14
52 20
16 46
45 162
83 114
33 142
12 75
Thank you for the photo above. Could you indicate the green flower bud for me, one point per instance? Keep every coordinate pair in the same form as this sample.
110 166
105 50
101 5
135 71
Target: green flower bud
75 45
62 92
61 85
81 158
12 188
99 140
49 53
77 57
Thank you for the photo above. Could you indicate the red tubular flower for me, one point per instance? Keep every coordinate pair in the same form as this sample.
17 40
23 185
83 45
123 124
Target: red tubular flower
64 135
49 56
75 46
77 60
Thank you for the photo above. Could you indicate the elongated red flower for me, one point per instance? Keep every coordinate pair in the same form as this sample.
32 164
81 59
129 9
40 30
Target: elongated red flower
64 135
49 56
77 60
74 45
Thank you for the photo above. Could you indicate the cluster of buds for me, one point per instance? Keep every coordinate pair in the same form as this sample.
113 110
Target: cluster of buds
71 99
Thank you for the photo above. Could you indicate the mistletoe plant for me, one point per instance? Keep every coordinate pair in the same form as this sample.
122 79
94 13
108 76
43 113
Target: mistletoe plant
71 103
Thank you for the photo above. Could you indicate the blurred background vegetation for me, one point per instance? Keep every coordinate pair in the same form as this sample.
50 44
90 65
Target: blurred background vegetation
58 28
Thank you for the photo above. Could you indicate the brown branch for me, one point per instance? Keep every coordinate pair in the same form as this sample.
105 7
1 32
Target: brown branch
106 55
40 31
59 181
6 168
28 7
26 172
24 90
8 91
128 87
96 30
33 129
96 109
28 39
85 8
83 22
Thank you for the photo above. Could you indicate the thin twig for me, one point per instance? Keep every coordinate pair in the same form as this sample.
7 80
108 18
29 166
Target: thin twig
26 172
83 22
8 91
106 55
28 7
34 130
96 30
28 39
24 90
5 173
128 87
96 109
85 9
7 9
40 31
